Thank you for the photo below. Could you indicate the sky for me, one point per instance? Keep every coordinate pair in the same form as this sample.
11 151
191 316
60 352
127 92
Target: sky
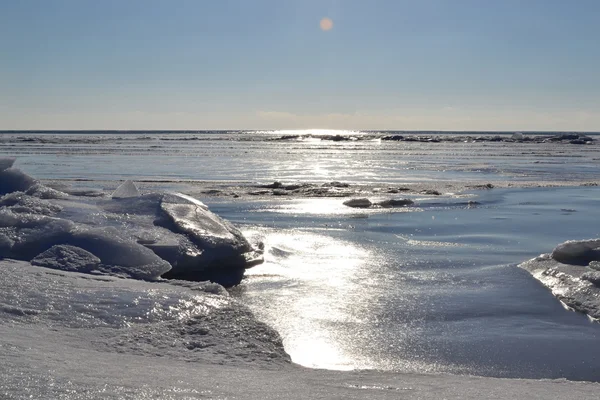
300 64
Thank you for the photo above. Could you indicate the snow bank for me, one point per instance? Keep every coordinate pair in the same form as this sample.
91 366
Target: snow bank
571 273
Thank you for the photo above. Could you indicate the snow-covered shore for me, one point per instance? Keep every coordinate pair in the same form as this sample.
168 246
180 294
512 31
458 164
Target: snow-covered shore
67 335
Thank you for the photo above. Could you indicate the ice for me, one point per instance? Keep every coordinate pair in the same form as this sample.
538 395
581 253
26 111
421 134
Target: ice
193 218
219 249
19 202
6 245
358 203
125 190
6 163
44 192
132 235
569 277
395 203
146 319
577 252
12 180
120 255
67 258
592 276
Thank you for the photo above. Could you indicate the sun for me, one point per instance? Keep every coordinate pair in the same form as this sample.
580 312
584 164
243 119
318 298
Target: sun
326 24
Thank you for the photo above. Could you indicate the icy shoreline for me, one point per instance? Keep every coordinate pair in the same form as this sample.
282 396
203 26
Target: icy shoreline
572 273
42 362
168 339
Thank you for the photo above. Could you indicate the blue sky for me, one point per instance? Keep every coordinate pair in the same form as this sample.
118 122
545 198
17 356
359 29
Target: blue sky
266 64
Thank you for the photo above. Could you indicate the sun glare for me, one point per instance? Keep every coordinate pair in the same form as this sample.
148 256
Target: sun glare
326 24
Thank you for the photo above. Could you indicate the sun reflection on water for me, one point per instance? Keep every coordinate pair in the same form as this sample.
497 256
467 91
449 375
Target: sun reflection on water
319 282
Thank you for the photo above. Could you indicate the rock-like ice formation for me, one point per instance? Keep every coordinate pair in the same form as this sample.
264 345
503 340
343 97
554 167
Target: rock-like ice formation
577 252
67 258
571 273
395 203
130 235
388 203
358 203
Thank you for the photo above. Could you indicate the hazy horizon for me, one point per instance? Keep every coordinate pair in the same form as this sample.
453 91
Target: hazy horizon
328 64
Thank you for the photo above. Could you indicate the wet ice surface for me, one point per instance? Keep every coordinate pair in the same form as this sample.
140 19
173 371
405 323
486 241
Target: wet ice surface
180 320
432 287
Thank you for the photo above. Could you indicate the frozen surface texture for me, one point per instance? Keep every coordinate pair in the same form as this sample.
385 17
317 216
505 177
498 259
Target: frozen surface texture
131 235
571 273
72 336
67 258
125 190
221 247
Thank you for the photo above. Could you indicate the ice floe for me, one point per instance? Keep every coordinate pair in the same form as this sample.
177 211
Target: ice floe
571 273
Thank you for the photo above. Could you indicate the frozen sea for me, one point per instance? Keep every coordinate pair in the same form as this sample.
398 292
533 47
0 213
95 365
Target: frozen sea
429 288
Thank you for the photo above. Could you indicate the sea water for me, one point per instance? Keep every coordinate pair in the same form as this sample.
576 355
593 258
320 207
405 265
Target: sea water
428 288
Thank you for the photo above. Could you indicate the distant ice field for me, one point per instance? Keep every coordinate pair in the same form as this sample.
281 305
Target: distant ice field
432 287
257 157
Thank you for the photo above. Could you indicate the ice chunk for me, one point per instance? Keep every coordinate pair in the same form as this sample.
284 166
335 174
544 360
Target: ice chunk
6 163
218 251
565 273
125 190
577 252
67 258
120 255
13 180
592 276
35 234
358 203
19 202
204 228
395 203
148 204
44 192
